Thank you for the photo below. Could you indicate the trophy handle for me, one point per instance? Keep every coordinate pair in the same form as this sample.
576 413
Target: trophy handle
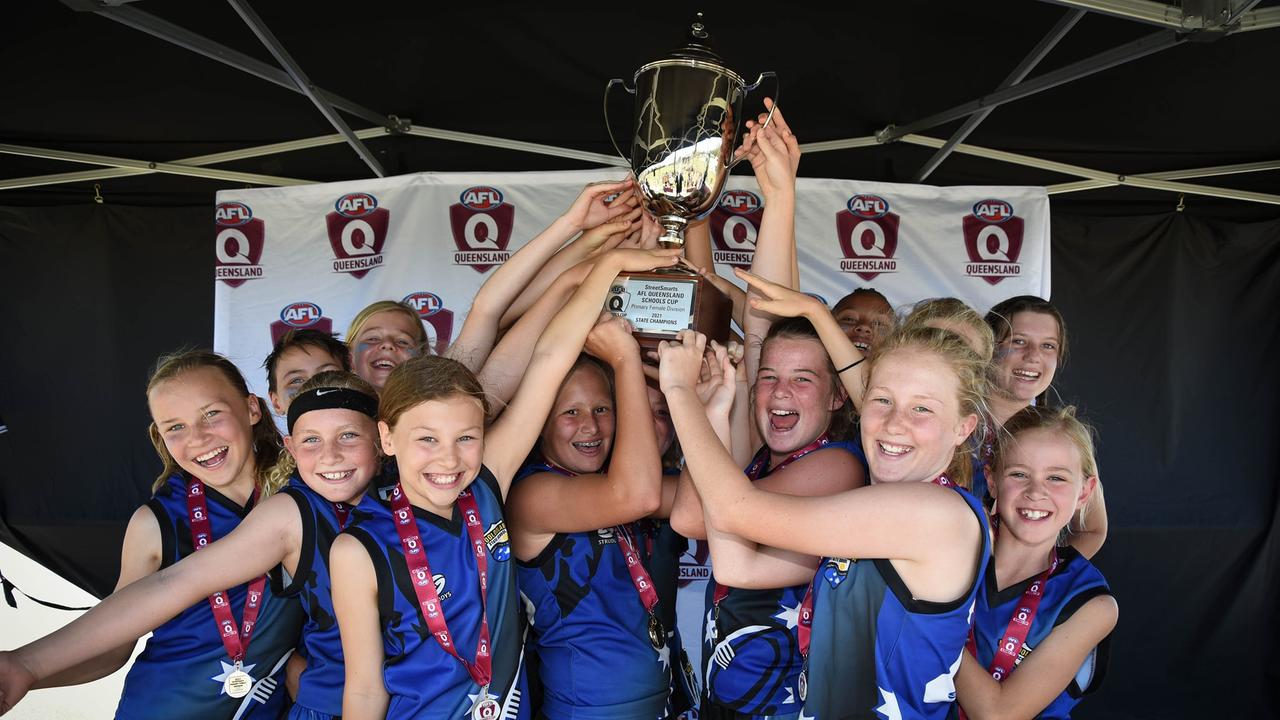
608 89
777 89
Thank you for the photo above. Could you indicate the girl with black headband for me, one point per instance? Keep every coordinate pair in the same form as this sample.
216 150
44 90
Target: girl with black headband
333 456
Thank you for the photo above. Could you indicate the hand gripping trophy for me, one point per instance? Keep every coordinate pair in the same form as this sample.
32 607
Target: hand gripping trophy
688 115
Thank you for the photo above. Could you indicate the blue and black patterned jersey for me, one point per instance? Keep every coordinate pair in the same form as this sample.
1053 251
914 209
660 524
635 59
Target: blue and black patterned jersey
321 684
181 671
423 680
876 651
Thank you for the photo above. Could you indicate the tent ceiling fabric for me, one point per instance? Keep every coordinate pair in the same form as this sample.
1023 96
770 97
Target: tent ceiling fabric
536 74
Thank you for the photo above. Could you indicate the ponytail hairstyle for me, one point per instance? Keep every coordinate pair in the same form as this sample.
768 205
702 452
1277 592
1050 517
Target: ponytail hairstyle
266 438
425 378
952 314
973 377
1059 420
285 466
799 328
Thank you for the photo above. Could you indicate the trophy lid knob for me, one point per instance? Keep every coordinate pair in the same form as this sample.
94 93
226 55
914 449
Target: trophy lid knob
697 44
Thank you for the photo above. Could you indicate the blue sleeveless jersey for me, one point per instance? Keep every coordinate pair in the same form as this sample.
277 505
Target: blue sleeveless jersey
181 670
751 652
321 684
876 652
423 680
590 630
1075 582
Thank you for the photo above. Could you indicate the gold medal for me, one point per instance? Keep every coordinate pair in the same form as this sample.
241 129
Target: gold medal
238 684
657 635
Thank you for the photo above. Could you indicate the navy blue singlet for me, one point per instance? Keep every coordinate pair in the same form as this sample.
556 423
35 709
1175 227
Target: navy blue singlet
321 684
180 672
423 680
876 651
750 649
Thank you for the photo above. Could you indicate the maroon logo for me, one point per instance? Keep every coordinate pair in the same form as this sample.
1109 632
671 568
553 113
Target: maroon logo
357 232
993 240
481 223
693 563
438 319
238 245
868 235
735 223
300 315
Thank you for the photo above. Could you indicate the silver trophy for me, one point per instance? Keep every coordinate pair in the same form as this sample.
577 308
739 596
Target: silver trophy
688 114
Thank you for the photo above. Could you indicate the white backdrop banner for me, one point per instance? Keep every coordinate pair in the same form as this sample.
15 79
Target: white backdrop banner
313 256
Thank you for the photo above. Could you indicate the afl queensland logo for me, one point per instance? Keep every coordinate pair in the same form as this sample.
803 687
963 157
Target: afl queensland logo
357 230
495 538
437 319
481 222
238 244
993 240
868 234
735 223
300 316
695 563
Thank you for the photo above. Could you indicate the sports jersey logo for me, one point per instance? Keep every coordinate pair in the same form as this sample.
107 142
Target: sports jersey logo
481 222
993 240
238 244
438 579
357 232
438 319
836 570
496 539
694 564
605 535
298 316
735 223
868 234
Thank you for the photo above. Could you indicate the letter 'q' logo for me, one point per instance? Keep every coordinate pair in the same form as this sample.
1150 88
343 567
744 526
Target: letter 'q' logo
481 222
357 232
868 235
298 316
993 241
735 223
436 318
238 243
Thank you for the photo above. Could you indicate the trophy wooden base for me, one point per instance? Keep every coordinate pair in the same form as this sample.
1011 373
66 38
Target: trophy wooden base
660 304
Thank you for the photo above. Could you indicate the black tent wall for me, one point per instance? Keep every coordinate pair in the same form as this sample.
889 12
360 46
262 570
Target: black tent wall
1174 346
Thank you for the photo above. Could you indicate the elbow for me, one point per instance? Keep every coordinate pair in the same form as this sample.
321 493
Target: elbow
683 524
643 502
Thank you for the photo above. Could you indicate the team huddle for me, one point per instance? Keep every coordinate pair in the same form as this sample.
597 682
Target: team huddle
899 524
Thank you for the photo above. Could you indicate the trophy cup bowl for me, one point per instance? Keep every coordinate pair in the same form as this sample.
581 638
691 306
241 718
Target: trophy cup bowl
688 116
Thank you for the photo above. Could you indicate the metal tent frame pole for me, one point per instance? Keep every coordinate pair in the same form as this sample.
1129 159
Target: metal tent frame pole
144 165
303 83
1214 171
1042 48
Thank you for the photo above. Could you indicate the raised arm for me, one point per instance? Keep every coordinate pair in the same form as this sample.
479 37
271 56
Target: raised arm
508 441
772 298
548 503
261 541
587 215
355 602
502 371
1044 674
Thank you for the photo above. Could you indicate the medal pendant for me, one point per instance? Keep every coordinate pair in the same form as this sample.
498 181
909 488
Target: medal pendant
486 709
238 684
657 634
803 684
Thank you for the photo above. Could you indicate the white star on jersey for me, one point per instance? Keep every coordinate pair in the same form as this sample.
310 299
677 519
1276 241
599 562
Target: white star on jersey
709 634
226 671
889 709
790 616
664 653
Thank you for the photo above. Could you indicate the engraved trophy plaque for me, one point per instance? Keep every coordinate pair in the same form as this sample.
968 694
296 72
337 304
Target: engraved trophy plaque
688 115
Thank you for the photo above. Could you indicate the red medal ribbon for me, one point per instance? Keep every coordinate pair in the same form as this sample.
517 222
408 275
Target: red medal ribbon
756 470
804 629
235 641
424 585
343 511
639 576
